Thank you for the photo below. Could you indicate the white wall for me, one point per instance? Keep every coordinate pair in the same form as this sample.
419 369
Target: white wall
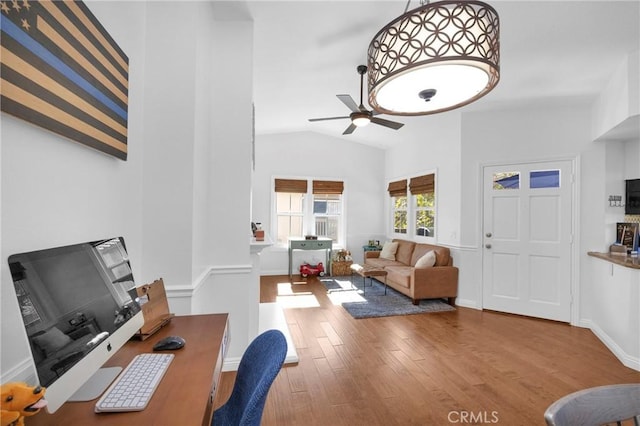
184 134
228 284
320 156
619 99
169 110
632 159
58 192
203 150
439 150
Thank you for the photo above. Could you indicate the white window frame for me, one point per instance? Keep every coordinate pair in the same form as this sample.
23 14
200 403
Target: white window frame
309 217
415 209
393 217
327 215
275 214
412 212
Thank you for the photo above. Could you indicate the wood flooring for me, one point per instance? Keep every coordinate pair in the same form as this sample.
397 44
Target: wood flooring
462 367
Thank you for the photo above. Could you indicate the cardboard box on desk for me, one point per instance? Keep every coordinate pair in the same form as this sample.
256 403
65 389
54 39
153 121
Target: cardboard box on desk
155 308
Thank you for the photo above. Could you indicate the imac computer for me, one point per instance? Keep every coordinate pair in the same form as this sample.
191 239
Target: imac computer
79 306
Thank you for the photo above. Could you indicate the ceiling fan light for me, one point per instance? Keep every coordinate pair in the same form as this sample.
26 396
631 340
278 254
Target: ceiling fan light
361 121
434 58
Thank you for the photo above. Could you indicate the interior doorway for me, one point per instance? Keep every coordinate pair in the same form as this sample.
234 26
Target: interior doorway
528 238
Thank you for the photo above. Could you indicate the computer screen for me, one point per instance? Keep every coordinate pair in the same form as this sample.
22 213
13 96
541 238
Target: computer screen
78 306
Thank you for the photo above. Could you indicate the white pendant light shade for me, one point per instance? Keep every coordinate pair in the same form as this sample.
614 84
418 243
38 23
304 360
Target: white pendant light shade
434 58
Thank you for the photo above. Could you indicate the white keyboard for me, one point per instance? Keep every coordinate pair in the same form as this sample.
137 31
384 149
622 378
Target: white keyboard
133 388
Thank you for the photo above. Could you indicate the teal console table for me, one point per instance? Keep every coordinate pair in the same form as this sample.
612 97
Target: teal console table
303 244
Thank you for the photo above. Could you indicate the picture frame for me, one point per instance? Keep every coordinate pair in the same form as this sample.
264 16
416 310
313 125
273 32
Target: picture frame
627 234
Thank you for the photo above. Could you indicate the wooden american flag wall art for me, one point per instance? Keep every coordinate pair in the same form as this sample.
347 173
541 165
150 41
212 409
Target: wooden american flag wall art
62 71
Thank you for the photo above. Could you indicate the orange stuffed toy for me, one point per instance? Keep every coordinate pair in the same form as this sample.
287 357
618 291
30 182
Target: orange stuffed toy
20 400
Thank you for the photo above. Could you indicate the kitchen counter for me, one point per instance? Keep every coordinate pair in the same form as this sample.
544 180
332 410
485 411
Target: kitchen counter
627 261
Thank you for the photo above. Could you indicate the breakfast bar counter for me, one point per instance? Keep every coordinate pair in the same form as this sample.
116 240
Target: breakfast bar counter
627 261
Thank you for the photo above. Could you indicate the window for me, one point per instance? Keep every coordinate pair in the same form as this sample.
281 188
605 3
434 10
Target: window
425 214
506 180
327 208
423 204
290 214
398 192
544 179
537 179
326 211
413 206
300 212
289 205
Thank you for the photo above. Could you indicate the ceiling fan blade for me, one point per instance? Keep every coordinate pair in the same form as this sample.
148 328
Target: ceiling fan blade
387 123
349 102
349 129
328 118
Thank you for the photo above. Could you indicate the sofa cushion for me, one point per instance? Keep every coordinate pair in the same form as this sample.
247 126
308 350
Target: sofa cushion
426 261
381 263
389 250
443 256
400 275
405 251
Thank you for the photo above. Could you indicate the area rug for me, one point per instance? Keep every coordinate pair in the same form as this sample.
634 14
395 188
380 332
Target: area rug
372 303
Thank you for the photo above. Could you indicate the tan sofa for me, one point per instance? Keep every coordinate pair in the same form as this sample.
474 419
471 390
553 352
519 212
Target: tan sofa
438 281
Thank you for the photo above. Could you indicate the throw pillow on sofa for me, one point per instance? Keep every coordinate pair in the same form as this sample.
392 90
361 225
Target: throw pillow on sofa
389 250
427 261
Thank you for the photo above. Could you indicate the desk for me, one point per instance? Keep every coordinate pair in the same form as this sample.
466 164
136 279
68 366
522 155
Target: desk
185 394
304 244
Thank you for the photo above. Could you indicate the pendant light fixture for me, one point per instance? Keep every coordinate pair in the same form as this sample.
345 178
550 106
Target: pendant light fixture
434 58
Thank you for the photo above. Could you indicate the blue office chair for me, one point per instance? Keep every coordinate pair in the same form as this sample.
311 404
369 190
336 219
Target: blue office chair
258 368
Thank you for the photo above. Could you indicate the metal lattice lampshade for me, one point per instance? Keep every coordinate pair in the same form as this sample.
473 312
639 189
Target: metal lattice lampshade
434 58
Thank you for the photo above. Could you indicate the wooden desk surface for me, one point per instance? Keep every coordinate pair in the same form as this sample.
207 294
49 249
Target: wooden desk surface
184 394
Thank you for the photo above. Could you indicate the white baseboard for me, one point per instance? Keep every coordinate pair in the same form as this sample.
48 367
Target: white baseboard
23 372
274 272
626 359
467 303
231 364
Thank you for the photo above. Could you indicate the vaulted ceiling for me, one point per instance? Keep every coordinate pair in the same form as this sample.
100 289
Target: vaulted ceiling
306 52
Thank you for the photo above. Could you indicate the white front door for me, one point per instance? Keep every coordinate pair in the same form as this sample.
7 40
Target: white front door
527 239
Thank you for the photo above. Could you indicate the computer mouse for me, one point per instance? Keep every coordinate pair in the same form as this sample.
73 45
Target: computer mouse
169 343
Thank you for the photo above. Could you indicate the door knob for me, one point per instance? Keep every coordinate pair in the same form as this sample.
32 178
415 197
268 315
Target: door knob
487 245
488 234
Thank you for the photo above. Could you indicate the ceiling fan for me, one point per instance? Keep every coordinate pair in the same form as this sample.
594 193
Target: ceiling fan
360 116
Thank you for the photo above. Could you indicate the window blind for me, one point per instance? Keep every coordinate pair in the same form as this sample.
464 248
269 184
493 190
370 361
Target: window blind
422 184
398 188
291 185
328 187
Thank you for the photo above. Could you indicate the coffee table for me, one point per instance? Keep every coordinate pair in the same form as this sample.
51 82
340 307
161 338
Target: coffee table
369 271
